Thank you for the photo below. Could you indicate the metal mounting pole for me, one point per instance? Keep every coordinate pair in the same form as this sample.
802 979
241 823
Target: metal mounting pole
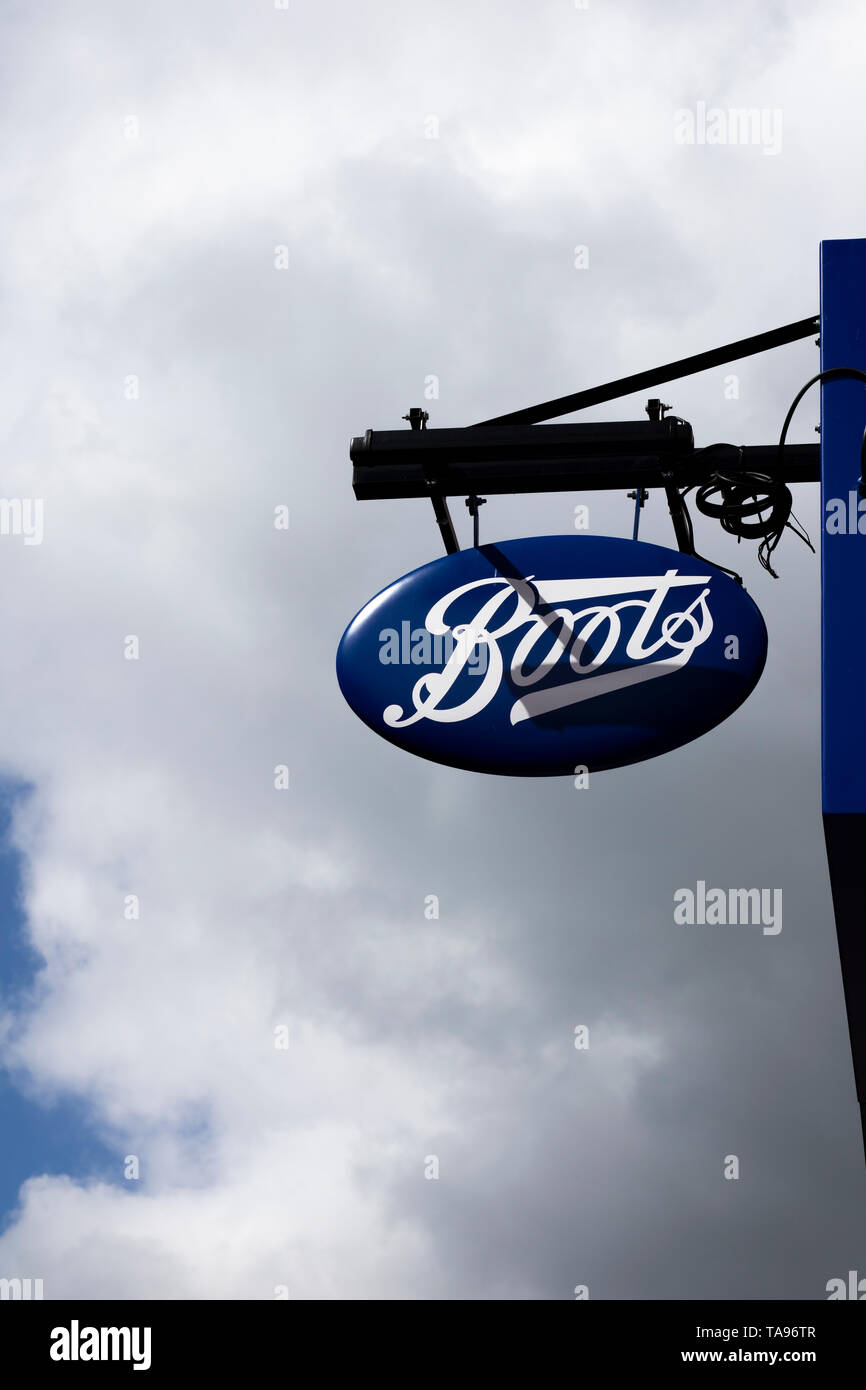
843 624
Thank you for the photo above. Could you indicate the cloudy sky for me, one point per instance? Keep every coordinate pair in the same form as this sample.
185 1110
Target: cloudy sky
429 170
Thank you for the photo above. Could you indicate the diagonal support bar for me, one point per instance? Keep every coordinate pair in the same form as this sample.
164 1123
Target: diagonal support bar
656 376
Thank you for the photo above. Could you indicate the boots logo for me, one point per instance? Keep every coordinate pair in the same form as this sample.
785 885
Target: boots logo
545 653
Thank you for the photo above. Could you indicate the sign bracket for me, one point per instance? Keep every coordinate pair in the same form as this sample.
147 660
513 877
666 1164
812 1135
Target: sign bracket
514 455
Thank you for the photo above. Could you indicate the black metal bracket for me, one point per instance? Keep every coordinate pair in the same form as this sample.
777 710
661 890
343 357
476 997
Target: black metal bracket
639 497
679 515
557 458
473 503
418 423
515 453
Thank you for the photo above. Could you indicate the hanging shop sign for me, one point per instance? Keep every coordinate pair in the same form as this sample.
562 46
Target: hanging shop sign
545 655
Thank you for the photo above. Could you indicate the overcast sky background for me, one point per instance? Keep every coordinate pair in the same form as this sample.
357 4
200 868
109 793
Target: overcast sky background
152 255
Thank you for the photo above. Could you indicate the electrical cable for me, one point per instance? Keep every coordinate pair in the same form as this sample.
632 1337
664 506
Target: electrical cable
831 374
739 499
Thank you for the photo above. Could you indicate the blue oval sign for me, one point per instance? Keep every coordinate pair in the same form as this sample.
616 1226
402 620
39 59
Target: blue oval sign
545 655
